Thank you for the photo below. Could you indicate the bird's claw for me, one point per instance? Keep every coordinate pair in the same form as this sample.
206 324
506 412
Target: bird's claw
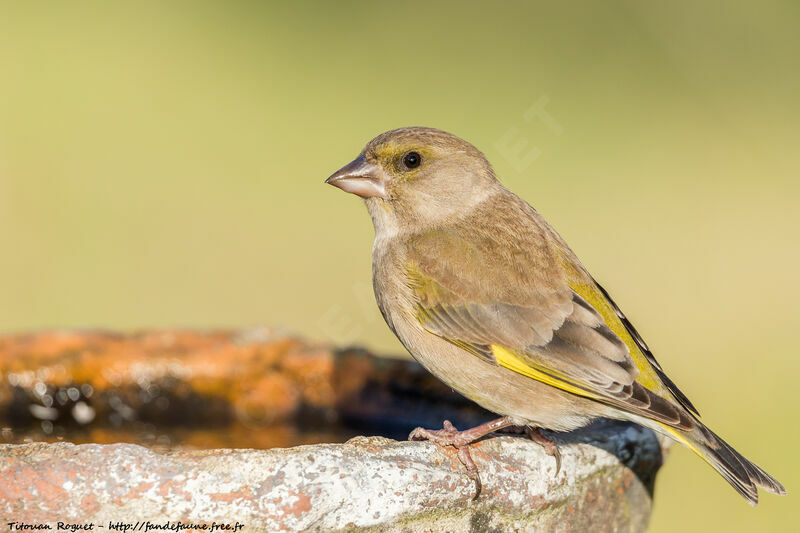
450 436
550 447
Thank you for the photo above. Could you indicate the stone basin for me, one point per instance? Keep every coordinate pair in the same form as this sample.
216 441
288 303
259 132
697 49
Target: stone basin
263 429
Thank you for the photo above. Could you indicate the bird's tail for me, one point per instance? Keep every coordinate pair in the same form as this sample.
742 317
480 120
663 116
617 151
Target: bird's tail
742 474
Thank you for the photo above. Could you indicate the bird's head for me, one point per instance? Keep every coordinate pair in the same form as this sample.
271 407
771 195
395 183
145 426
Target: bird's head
416 177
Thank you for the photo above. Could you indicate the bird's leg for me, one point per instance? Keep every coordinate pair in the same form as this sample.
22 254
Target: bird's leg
460 440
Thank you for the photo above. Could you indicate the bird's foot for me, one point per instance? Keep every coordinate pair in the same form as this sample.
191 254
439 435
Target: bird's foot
536 435
460 440
550 447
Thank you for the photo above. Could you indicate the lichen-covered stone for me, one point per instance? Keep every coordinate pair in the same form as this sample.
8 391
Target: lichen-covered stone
365 484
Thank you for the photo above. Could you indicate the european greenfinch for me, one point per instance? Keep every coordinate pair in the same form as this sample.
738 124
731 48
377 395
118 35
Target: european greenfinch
485 294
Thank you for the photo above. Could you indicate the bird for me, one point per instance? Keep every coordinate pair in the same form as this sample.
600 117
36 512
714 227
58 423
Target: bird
488 297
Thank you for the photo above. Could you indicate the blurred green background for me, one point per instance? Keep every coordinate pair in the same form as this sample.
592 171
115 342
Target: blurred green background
161 164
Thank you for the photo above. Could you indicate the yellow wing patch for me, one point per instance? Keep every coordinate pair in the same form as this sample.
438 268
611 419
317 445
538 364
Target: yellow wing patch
508 359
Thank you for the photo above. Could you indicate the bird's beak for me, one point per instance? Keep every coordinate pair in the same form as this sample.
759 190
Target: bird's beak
360 178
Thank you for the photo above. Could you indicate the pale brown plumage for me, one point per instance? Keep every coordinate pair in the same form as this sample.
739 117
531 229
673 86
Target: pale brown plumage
484 293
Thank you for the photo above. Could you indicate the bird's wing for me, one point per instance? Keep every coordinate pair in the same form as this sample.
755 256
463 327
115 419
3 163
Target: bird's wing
512 293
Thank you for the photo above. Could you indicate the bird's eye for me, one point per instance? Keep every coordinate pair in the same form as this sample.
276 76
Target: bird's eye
412 160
